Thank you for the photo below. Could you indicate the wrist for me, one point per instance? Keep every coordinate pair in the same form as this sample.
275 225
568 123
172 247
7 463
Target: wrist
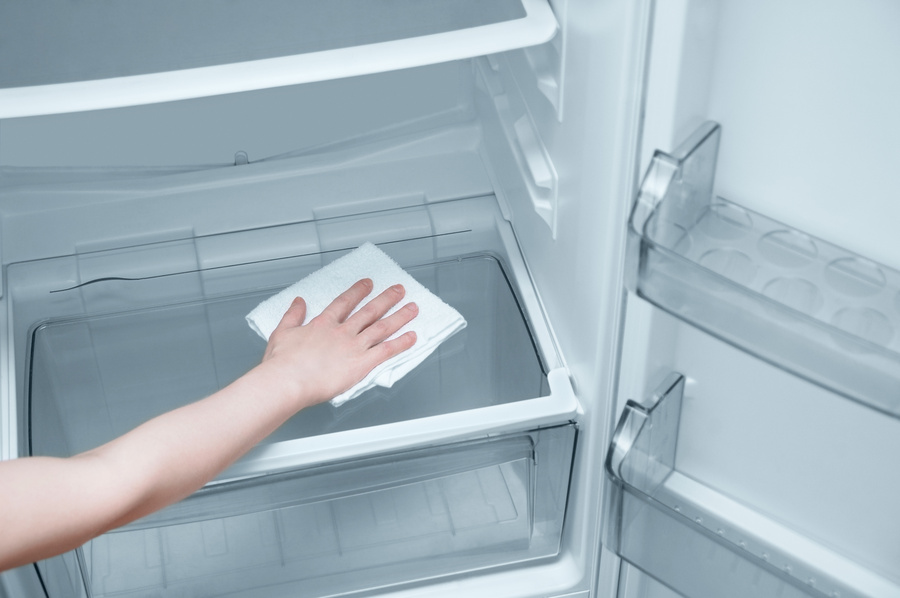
284 384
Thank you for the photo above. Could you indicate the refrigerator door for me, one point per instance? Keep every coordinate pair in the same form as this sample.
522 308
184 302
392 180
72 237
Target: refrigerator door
760 341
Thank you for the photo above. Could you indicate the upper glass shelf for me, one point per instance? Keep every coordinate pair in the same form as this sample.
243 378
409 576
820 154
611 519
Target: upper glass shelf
74 55
799 302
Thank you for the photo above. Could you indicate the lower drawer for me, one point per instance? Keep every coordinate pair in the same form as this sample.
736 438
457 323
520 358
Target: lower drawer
340 528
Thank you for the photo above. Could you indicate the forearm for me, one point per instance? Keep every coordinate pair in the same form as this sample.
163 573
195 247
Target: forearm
173 455
66 502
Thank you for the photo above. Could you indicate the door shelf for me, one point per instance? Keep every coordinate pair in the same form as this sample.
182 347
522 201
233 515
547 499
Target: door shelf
67 58
799 302
701 542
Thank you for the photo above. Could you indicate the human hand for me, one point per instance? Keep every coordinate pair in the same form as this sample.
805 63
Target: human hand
335 350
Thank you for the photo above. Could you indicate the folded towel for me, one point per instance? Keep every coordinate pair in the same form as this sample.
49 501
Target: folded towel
435 322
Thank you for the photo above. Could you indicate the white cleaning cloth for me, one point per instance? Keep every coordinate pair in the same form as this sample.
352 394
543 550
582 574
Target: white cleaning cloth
435 322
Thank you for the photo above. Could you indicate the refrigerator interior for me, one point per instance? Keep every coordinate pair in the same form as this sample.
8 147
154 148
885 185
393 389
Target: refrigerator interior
224 187
199 196
760 345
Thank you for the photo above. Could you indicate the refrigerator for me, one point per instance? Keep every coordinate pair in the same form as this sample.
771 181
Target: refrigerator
669 225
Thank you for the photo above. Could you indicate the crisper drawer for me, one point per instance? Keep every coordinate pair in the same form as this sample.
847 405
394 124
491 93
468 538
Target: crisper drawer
106 340
339 528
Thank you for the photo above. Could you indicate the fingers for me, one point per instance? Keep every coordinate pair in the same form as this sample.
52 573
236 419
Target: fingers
395 346
385 327
369 321
375 309
294 316
343 305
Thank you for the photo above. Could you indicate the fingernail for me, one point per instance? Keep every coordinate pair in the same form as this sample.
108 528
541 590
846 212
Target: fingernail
398 288
411 307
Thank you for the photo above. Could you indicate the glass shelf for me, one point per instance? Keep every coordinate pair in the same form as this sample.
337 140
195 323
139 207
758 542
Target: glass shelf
67 56
799 302
94 378
700 542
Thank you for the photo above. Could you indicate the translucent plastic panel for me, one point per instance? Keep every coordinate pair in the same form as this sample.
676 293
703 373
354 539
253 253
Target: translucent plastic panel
345 527
683 555
634 583
94 378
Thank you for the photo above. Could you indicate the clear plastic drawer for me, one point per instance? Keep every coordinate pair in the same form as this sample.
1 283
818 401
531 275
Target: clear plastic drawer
340 528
